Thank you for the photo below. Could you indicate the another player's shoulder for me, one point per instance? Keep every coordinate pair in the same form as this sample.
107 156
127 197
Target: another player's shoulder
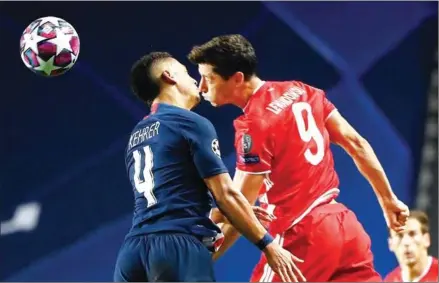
394 275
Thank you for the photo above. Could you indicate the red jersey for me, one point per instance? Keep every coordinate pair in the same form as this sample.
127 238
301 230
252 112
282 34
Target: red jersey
430 273
282 133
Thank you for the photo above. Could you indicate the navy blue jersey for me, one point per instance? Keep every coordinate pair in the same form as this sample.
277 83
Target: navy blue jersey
168 155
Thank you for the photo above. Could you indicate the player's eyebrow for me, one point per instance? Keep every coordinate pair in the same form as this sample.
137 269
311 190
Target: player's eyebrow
208 75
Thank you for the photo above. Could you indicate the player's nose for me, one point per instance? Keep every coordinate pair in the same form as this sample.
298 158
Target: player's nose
203 88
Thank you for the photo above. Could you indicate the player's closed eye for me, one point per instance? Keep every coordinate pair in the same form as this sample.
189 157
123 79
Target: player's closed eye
208 80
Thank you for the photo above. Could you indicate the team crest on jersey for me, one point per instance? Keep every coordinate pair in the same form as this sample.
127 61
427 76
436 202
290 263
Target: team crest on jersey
216 147
246 143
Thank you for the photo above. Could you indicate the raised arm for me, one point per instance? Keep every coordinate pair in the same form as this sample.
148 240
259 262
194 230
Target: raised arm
344 135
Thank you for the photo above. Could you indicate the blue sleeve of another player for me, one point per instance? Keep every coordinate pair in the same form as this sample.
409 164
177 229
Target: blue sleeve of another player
205 149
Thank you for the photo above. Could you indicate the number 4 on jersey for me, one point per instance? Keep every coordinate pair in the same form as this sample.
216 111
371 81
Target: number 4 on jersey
312 132
143 177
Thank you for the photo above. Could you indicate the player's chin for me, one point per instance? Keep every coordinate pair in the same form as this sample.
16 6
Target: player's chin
212 102
196 99
410 260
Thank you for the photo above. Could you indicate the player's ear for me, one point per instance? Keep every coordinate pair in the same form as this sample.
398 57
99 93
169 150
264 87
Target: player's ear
238 78
168 78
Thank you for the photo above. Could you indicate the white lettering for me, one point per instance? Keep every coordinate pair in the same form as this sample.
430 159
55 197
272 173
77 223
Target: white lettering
285 100
144 134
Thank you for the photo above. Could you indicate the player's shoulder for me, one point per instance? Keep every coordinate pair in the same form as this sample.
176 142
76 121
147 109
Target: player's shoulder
253 123
394 275
194 120
294 84
179 117
188 123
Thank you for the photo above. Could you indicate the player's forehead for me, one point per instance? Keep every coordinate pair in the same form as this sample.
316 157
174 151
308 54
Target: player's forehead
413 226
206 70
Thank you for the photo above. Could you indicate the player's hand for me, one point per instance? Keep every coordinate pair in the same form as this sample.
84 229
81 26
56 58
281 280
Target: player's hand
396 214
283 264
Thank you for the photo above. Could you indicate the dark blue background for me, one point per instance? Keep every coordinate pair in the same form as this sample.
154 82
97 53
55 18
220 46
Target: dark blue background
62 139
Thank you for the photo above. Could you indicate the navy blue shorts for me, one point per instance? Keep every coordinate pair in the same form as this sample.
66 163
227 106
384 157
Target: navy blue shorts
163 258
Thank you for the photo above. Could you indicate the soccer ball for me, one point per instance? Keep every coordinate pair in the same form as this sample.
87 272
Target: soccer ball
49 46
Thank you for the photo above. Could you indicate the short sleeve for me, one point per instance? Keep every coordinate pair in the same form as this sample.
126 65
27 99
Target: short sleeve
254 148
328 107
205 149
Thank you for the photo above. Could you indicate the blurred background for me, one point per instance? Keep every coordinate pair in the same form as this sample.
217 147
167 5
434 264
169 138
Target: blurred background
66 201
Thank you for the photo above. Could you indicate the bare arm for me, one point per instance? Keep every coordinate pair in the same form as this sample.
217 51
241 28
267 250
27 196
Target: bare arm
235 207
344 135
249 185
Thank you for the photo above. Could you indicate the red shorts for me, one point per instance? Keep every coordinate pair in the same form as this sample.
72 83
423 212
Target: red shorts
333 245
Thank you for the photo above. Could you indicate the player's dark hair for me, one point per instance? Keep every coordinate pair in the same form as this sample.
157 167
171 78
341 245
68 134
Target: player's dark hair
143 83
227 54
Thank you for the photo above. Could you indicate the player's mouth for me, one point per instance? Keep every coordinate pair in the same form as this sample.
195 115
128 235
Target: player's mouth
409 255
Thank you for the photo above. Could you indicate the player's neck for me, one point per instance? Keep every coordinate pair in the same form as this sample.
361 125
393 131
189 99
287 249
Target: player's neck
249 88
415 271
175 100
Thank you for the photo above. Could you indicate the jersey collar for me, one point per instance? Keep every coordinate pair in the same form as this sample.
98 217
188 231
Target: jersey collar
259 87
153 110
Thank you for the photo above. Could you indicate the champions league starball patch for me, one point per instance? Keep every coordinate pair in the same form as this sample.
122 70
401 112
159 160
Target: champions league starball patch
246 143
216 147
